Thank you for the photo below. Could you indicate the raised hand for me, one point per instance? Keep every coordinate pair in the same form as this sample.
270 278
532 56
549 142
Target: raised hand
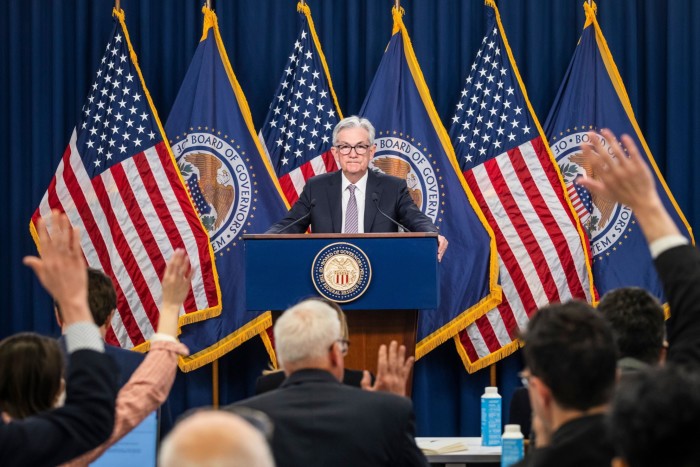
393 369
176 283
61 269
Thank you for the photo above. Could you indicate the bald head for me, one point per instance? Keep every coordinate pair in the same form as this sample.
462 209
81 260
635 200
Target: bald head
215 439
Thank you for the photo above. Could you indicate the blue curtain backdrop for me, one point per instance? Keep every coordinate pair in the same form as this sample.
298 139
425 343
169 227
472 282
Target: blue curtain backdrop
49 52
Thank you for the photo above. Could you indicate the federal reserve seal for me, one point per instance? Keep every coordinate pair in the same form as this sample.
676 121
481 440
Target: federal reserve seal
605 221
219 183
341 272
400 158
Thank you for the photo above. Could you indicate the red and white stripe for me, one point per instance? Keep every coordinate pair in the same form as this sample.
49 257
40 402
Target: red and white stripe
133 216
541 255
293 182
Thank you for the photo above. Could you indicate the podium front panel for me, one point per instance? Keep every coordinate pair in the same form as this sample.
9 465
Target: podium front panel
404 270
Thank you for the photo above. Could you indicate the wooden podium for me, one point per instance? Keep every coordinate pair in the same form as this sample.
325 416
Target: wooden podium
404 278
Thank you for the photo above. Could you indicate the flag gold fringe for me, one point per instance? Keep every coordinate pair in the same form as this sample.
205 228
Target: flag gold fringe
490 359
226 344
270 349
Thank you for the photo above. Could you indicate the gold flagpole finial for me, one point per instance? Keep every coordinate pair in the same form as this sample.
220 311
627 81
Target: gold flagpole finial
303 2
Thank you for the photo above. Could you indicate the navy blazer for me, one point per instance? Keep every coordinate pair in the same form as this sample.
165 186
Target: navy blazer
327 210
127 360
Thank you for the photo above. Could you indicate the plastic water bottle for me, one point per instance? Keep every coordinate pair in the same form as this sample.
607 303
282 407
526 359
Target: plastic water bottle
491 417
512 443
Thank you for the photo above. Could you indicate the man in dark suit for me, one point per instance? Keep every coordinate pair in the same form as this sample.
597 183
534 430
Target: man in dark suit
102 299
355 199
317 420
87 417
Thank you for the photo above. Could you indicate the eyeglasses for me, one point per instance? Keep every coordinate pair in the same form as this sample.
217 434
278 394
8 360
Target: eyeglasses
344 346
360 149
525 376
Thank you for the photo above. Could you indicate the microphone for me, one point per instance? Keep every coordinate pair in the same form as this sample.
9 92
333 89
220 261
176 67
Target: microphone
311 206
375 198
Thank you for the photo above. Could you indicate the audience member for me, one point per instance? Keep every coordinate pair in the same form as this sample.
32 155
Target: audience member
654 421
273 379
150 384
102 299
87 417
628 180
654 418
637 321
41 366
214 439
319 421
570 358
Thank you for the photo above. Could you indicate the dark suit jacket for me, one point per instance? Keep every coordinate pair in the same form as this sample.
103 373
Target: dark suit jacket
579 443
320 422
275 379
127 360
83 423
327 211
679 271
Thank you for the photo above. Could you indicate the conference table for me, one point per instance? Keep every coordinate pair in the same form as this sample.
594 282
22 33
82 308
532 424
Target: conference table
474 453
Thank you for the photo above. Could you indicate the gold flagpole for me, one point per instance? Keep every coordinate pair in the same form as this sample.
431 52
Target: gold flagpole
208 4
117 5
397 4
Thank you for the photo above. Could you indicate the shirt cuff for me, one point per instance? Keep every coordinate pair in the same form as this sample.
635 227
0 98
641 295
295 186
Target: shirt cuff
84 335
666 243
159 336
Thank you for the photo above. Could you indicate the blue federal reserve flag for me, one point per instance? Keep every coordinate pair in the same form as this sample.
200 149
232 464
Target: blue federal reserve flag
232 184
412 144
592 97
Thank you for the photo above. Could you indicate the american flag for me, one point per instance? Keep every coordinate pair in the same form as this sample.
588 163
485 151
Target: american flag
298 130
506 163
118 182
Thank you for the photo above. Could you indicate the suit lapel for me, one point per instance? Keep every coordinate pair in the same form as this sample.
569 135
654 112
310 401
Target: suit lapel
373 186
335 201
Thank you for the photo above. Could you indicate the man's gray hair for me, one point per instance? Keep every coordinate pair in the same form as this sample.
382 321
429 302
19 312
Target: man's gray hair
306 331
354 122
212 438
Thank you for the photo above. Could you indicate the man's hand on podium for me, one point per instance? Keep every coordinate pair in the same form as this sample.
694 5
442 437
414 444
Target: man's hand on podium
442 246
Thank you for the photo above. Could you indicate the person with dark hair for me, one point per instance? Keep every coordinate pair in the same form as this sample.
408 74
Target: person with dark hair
87 417
637 321
654 420
102 299
41 363
570 360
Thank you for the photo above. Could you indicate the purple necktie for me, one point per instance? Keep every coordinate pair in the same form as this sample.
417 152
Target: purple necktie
351 212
